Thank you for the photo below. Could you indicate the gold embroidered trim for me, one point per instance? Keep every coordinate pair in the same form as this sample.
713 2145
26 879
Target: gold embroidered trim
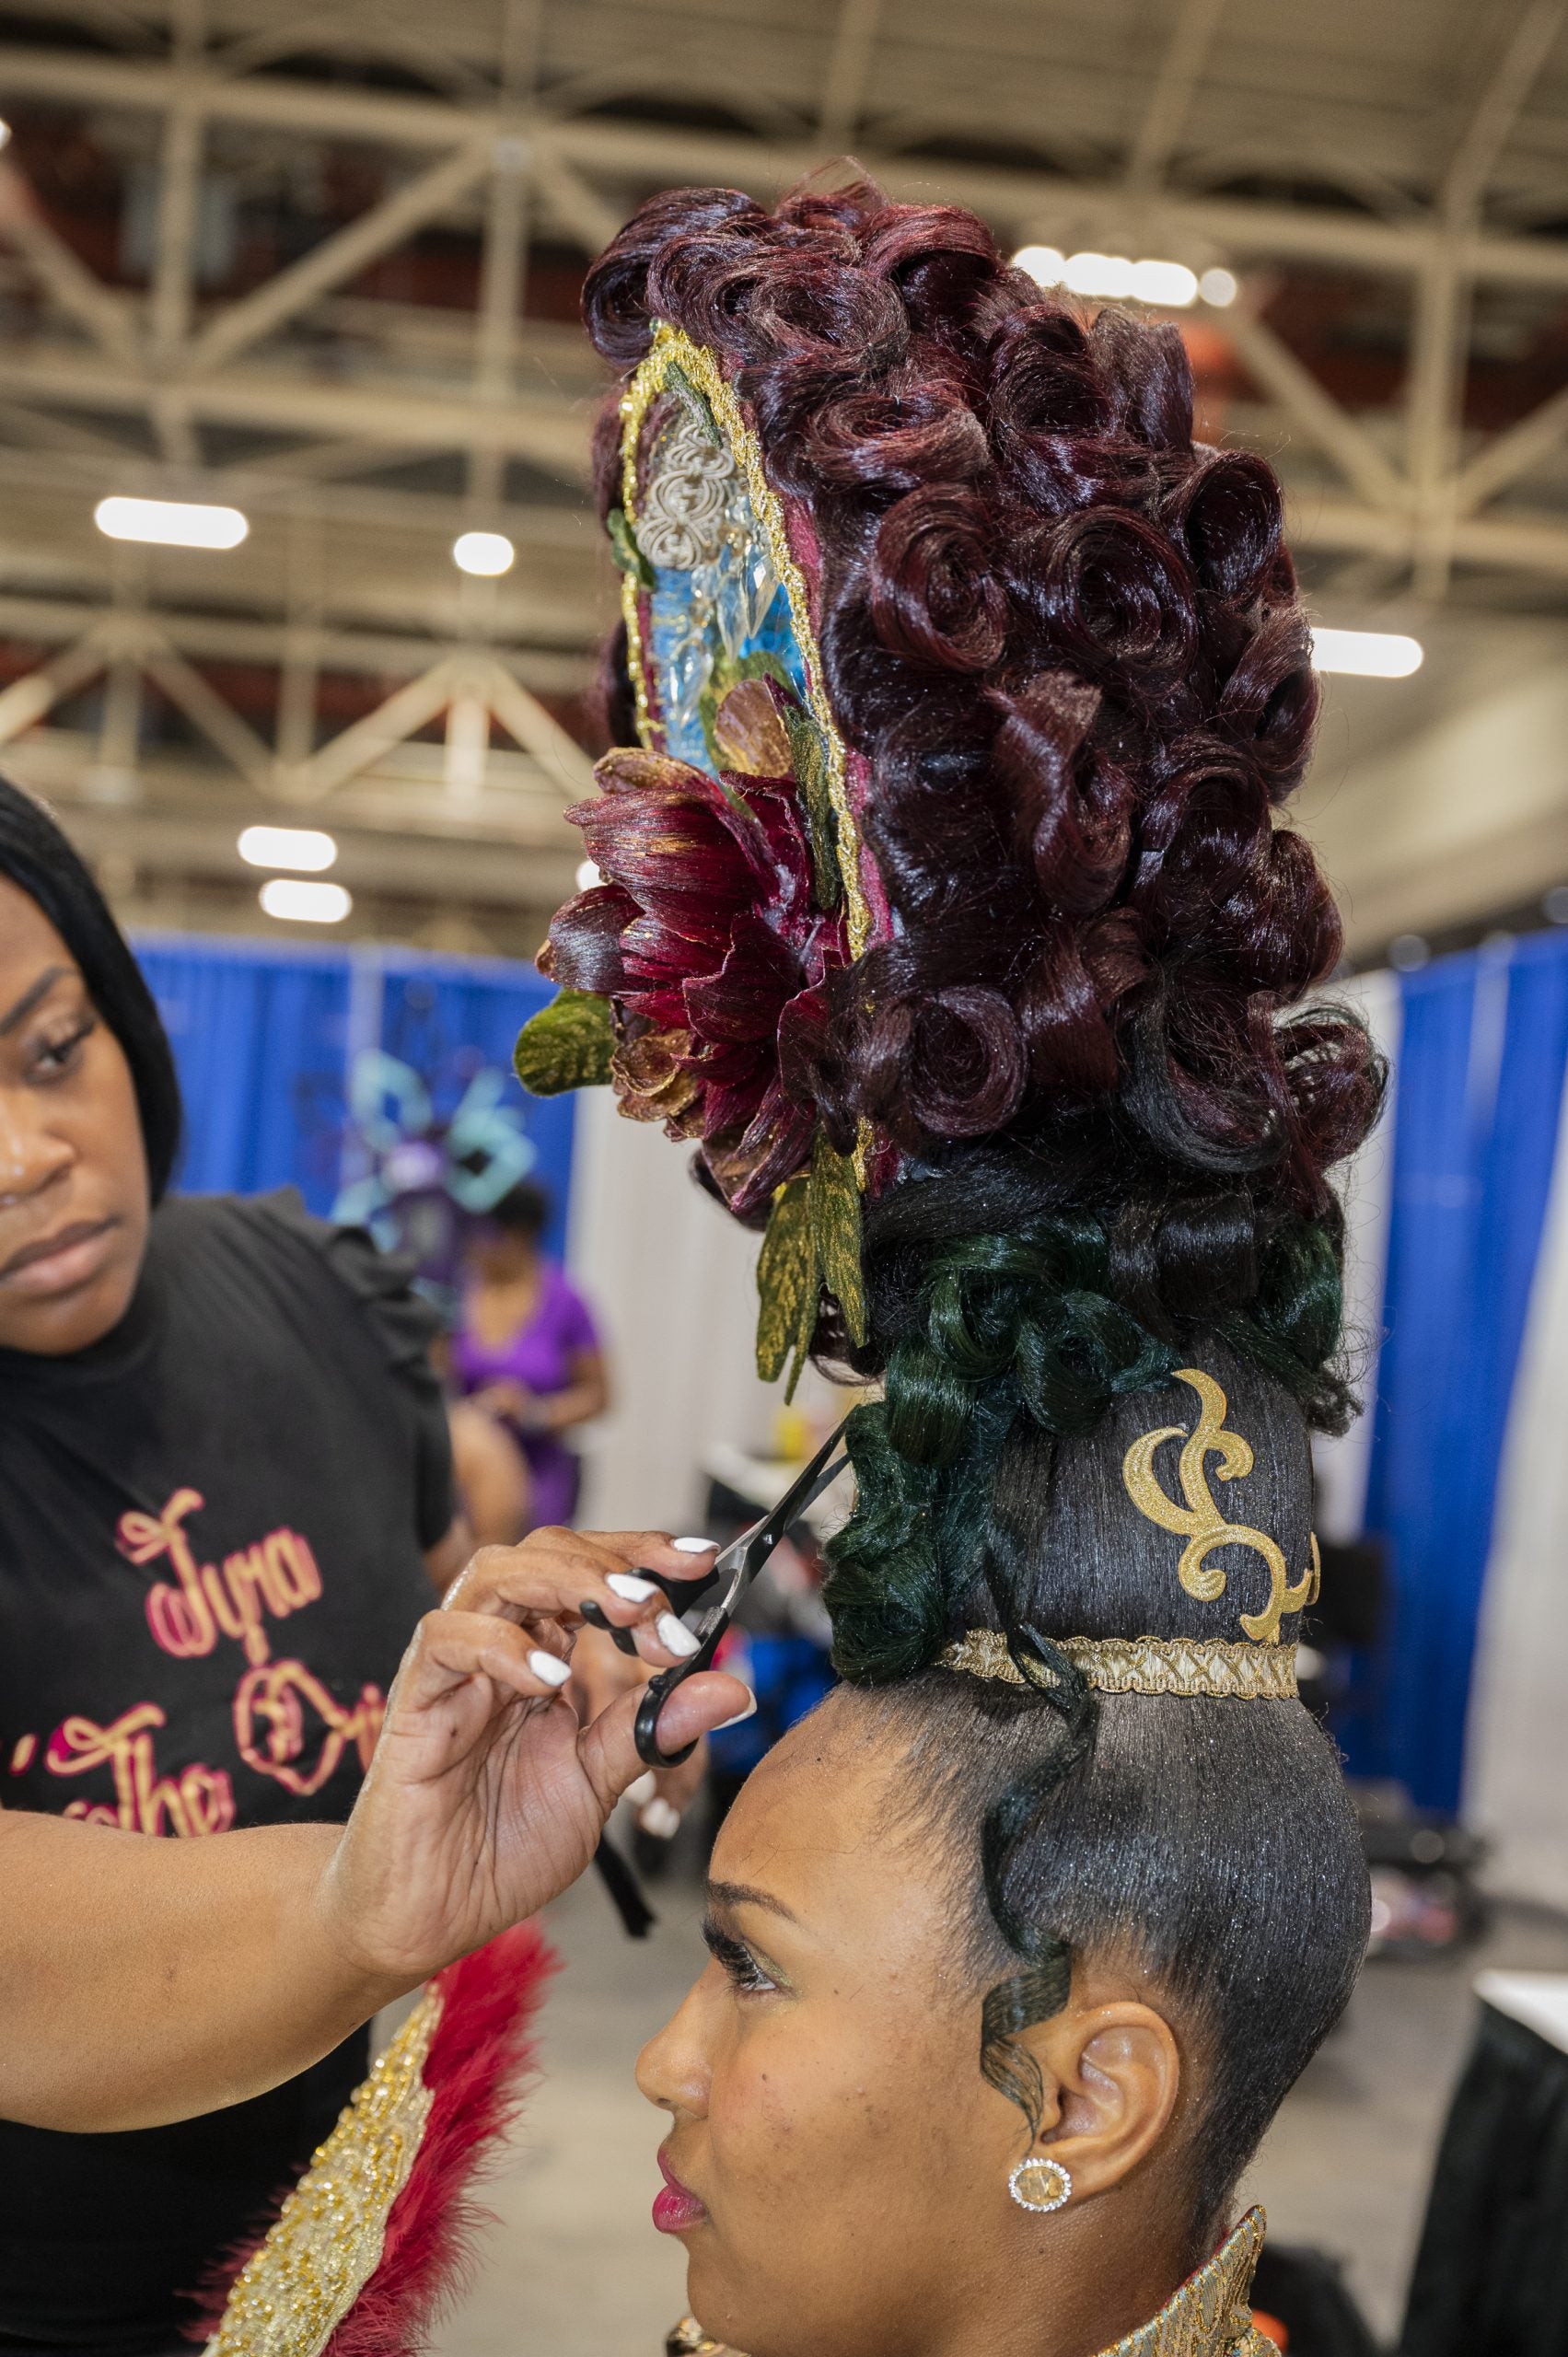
1208 2316
1188 1665
295 2291
1199 1521
673 348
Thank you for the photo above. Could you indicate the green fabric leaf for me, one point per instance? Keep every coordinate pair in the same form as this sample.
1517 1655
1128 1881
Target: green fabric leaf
677 381
809 747
833 1211
623 547
567 1044
788 1282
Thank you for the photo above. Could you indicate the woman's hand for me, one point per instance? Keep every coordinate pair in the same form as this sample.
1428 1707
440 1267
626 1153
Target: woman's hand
485 1797
512 1401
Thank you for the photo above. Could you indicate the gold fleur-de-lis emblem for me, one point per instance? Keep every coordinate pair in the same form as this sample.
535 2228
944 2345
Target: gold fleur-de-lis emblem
1199 1520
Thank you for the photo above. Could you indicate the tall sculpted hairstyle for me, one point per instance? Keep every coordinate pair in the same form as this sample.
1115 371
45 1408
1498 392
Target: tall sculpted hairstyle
1063 645
37 857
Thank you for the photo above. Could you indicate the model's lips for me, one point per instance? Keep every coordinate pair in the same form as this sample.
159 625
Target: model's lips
676 2210
56 1263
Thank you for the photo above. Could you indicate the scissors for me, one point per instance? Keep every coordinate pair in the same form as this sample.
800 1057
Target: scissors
732 1575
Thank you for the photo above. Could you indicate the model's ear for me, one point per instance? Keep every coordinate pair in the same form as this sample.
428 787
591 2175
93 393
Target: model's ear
1111 2076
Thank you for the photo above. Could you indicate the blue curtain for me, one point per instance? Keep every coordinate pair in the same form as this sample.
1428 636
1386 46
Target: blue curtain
266 1037
261 1038
1481 1061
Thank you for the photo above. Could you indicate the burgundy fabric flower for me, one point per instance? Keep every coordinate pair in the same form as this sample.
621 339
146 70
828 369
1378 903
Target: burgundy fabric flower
706 938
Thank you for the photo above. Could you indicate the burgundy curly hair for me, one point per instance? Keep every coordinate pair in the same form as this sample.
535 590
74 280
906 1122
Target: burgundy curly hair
1066 639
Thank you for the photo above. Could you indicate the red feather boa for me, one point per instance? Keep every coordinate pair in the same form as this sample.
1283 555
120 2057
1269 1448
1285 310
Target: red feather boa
480 2057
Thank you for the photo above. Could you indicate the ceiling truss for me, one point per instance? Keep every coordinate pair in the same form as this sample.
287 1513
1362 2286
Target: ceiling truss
279 396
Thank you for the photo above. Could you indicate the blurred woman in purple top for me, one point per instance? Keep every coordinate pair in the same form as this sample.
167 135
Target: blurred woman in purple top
527 1350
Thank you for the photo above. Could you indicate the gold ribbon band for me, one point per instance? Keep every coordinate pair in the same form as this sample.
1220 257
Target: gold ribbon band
1144 1665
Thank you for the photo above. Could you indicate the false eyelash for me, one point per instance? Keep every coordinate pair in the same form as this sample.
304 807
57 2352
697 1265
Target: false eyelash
736 1960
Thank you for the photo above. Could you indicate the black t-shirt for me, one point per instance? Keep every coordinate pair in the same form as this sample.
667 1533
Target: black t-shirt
211 1535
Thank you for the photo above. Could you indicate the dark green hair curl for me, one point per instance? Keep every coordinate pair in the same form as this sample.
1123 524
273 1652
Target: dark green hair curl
1008 1335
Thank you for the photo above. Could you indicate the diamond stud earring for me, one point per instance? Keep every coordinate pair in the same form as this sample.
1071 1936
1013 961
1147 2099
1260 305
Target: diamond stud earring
1040 2183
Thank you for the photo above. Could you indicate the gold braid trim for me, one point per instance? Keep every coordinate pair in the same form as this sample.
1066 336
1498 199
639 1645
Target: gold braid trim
1210 2315
1144 1665
295 2291
673 348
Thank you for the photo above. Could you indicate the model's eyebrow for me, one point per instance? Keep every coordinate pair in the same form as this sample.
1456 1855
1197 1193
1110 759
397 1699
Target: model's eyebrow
745 1894
29 998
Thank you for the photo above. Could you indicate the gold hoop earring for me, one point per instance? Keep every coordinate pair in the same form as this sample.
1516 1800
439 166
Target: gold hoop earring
1040 2183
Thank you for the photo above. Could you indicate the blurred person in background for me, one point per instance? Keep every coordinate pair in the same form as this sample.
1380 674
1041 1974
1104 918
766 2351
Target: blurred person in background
526 1351
225 1489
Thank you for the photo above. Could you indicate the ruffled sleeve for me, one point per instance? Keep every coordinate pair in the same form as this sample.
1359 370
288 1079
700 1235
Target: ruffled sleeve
404 1326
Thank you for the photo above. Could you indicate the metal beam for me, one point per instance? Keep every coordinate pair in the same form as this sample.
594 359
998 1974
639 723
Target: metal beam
104 314
1508 455
1487 132
549 433
632 152
339 257
360 747
848 70
24 704
1187 54
205 709
1276 370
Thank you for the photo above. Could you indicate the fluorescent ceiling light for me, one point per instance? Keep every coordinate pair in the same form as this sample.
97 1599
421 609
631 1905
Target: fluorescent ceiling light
292 897
1218 287
306 847
171 523
1368 654
486 553
1043 264
1107 274
1168 285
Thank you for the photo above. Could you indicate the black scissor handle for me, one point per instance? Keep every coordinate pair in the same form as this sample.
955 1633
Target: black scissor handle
657 1691
676 1591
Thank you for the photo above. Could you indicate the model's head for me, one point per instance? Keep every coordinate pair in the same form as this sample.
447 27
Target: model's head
849 2163
1067 1871
504 1243
89 1107
949 909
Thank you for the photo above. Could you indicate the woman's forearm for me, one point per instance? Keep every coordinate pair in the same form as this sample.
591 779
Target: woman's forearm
143 1980
578 1404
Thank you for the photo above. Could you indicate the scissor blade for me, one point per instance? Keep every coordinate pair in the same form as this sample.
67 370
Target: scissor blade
751 1550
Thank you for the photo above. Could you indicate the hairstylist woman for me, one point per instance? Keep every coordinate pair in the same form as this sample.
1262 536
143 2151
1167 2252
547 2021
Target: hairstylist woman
223 1474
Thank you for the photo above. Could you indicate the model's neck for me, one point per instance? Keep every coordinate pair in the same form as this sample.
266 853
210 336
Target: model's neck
1116 2293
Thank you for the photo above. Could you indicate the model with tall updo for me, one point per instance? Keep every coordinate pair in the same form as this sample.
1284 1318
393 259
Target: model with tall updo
948 908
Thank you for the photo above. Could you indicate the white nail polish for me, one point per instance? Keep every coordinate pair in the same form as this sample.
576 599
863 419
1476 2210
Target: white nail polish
628 1584
739 1718
642 1789
691 1546
675 1637
659 1819
545 1666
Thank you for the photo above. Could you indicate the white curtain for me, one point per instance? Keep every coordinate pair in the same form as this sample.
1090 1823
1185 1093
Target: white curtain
671 1278
1518 1750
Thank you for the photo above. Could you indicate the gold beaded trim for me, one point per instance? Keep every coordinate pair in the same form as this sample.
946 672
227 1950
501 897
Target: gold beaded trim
1210 2315
673 348
1145 1664
295 2291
